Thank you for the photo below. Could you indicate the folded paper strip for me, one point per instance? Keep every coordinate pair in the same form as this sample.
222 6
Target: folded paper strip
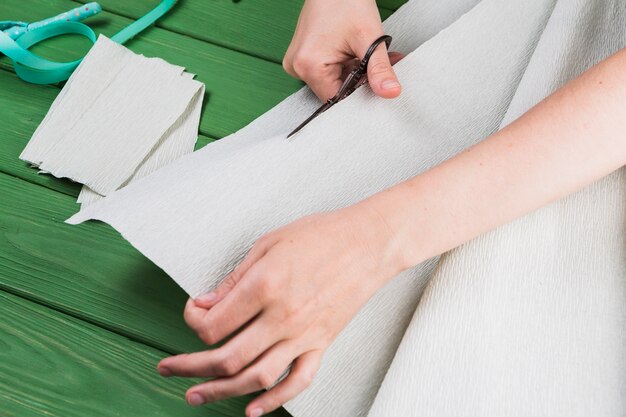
526 320
120 116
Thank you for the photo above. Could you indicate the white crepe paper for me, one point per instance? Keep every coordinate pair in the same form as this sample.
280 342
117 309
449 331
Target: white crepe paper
177 141
530 319
114 114
499 331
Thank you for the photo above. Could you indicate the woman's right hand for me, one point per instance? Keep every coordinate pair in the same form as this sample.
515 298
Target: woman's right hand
330 37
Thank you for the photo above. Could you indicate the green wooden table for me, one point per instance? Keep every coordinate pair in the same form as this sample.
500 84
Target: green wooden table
84 317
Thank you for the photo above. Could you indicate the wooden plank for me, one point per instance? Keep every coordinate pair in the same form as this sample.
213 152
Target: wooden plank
384 12
239 87
22 107
260 28
391 4
55 365
88 271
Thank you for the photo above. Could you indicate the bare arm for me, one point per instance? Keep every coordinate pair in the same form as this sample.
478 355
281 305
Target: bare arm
572 138
301 284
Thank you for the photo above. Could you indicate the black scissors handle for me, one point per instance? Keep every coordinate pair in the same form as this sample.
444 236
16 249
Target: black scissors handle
355 79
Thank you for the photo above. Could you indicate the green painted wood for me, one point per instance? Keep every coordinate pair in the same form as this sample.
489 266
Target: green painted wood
55 365
239 87
88 271
101 361
391 4
260 28
384 13
22 107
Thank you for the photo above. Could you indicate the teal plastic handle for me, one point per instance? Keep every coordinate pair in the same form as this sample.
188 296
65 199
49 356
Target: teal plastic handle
37 70
17 29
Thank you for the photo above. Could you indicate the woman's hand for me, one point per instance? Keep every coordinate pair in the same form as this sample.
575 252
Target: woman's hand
293 293
329 36
301 284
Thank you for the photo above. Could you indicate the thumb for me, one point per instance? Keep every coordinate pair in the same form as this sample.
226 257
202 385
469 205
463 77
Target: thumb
380 75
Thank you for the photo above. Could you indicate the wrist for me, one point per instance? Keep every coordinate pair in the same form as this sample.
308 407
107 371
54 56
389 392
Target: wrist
378 220
405 221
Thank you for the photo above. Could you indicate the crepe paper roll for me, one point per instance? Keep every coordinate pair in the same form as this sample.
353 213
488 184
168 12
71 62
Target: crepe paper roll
549 342
97 132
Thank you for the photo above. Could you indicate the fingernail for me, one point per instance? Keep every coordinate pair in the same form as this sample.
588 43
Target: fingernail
164 371
390 84
257 412
208 297
195 399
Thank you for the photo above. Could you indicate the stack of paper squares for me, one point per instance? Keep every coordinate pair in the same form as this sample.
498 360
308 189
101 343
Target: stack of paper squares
119 117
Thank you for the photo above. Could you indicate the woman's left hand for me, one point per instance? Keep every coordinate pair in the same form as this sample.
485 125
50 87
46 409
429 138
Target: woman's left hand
296 289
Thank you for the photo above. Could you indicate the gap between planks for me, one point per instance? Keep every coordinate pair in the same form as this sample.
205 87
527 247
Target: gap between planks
383 9
69 268
105 370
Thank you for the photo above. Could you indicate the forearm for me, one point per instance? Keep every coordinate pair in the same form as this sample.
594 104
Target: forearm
572 138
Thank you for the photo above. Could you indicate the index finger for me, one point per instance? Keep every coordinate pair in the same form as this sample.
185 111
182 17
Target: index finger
325 81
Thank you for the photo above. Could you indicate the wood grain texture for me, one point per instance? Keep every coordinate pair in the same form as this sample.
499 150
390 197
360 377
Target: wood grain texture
55 365
239 87
260 28
22 107
391 4
25 105
89 272
125 311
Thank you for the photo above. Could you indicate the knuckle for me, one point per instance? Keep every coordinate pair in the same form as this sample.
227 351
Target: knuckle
208 334
266 287
290 312
228 366
231 280
209 392
379 67
264 379
303 62
263 241
306 378
361 31
285 62
188 317
325 336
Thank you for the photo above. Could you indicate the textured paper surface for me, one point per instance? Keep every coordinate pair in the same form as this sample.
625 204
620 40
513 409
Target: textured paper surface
530 319
110 116
81 89
198 216
177 141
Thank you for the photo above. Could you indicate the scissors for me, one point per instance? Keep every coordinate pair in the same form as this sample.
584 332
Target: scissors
355 79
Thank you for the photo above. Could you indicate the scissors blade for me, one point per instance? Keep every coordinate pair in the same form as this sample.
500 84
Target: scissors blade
354 80
316 113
